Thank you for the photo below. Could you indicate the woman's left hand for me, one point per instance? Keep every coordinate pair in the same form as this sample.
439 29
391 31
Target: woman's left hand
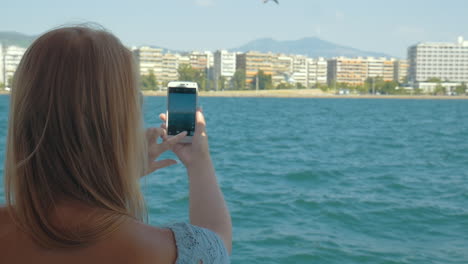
155 150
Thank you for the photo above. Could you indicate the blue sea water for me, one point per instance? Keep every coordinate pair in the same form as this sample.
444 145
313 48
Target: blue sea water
328 180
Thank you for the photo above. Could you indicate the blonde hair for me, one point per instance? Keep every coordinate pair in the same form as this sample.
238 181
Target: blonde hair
75 133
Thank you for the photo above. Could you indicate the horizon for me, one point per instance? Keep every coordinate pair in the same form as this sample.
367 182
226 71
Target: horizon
214 24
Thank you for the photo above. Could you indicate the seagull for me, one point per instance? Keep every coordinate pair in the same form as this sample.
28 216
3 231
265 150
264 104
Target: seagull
266 1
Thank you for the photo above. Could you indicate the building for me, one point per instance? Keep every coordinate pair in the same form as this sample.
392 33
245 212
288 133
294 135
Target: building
307 71
316 72
380 67
352 71
149 59
10 57
169 68
252 62
165 66
400 71
2 62
355 71
201 60
447 62
282 69
224 65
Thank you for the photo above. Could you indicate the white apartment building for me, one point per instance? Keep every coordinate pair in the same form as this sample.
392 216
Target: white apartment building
301 69
445 61
165 65
201 60
282 67
224 65
10 57
169 68
380 67
2 62
400 71
149 59
316 72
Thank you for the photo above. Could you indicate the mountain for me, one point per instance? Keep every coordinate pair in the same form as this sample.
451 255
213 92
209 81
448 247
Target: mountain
166 50
11 38
312 47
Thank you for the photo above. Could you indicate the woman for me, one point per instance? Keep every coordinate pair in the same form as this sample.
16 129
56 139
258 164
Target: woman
76 149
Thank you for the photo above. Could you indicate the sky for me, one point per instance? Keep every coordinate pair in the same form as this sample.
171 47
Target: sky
371 25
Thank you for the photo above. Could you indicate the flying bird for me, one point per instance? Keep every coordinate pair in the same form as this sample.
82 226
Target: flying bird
266 1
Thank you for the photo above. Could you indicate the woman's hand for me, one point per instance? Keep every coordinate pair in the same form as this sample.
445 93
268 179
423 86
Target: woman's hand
198 151
155 150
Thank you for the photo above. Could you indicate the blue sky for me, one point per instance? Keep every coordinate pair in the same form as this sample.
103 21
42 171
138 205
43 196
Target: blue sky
374 25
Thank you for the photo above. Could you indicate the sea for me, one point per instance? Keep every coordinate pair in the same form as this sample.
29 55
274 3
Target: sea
336 181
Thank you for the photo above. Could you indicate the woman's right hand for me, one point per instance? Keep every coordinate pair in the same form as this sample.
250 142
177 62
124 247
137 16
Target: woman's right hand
196 153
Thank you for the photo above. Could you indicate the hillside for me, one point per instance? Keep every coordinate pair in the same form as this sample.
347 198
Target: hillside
10 38
312 47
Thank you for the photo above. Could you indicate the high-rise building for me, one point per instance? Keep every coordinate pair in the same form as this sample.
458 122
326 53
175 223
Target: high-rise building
10 57
224 66
400 70
445 61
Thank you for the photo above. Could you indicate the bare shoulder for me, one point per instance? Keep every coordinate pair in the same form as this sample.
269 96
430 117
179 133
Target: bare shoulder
142 243
6 224
5 219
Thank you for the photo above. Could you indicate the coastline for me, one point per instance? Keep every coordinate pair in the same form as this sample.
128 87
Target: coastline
304 93
308 93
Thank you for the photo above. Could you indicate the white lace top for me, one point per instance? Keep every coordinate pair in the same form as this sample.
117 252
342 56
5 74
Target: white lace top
198 245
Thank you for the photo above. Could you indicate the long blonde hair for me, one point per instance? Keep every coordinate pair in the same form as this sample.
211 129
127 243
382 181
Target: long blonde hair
75 133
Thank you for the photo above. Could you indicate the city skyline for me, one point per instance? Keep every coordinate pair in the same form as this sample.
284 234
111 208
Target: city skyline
214 24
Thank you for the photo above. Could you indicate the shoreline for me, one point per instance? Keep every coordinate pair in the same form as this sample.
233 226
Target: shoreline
309 93
306 93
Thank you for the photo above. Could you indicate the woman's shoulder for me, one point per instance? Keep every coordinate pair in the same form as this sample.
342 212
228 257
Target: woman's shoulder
142 243
5 219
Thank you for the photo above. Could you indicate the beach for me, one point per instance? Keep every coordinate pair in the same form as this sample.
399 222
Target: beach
307 93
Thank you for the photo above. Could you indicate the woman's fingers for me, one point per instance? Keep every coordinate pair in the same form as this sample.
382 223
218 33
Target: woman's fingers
169 143
162 117
200 126
156 165
153 133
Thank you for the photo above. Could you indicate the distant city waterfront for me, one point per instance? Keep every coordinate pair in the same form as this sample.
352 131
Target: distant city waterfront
431 69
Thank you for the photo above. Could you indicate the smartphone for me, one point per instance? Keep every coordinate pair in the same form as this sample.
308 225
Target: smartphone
182 102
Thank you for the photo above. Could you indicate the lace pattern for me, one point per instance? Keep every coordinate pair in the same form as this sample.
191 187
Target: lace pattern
195 244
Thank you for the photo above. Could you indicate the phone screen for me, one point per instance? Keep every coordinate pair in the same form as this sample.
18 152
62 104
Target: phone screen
182 107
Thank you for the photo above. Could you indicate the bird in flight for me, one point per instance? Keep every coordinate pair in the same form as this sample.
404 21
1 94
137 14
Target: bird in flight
266 1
